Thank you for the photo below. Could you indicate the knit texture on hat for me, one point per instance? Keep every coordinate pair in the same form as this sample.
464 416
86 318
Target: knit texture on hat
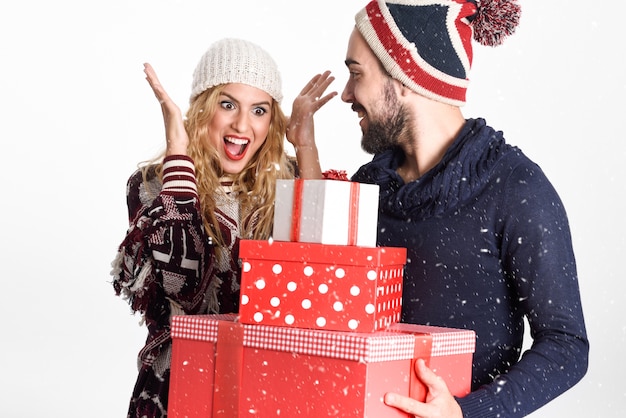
427 44
237 61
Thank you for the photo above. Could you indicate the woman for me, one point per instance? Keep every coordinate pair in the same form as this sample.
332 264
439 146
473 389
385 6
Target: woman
214 185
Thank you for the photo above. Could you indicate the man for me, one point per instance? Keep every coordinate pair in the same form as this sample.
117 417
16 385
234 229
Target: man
487 236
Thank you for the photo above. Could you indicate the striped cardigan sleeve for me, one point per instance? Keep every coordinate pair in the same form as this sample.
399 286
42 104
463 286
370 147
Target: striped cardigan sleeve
165 252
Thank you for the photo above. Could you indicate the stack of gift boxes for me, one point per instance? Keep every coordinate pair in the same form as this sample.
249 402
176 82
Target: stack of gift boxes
318 330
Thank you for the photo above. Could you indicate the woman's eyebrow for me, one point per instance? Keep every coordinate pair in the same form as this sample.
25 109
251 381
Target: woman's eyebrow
233 99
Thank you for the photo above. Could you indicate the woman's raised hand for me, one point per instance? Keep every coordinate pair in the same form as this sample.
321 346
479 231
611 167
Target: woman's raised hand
300 130
301 127
175 133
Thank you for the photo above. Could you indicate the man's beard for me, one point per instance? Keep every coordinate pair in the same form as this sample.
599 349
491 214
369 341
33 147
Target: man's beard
390 128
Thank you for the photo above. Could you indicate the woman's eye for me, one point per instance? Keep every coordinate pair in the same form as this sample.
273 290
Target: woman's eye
259 111
227 105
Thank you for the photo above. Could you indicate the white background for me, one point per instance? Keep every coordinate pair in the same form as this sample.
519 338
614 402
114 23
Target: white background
76 116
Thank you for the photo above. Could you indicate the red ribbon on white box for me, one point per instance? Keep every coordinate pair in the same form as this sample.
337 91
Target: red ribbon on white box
353 215
353 219
296 212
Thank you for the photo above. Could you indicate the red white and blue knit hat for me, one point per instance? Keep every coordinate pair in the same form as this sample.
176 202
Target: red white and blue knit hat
427 44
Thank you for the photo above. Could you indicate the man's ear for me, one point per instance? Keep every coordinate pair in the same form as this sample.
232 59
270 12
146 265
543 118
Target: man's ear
405 91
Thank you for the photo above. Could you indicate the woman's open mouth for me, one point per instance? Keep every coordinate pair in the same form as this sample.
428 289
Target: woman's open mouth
235 148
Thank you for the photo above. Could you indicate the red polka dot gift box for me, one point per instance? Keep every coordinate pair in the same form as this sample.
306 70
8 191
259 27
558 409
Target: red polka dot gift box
326 212
222 368
319 286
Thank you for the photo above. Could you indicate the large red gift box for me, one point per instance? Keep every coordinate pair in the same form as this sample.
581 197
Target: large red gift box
332 287
326 212
222 368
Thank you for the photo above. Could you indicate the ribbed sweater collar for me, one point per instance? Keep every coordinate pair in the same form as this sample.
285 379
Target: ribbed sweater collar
463 171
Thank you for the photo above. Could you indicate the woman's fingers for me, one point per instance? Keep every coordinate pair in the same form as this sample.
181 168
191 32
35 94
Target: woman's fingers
176 137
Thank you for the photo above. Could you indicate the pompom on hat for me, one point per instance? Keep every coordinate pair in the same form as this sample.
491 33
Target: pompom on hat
427 44
232 60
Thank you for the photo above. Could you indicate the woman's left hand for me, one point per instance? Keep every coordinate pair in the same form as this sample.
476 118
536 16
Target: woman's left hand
300 127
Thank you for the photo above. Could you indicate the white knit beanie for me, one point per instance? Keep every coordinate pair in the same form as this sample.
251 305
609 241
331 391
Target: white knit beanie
237 61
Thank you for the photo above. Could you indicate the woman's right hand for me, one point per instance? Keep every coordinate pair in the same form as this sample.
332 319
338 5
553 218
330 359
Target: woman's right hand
175 133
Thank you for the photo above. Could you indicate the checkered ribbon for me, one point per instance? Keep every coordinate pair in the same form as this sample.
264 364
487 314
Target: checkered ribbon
197 327
361 347
445 341
368 348
449 343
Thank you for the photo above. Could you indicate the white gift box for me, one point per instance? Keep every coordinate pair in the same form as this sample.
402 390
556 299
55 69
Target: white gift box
326 211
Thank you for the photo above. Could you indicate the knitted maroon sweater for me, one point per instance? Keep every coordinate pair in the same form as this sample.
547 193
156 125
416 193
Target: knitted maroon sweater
166 264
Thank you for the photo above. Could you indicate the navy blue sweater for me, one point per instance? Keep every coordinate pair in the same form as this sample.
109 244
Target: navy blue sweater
488 243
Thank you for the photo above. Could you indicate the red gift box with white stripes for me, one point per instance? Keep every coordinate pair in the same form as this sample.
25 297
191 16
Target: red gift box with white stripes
319 286
222 368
